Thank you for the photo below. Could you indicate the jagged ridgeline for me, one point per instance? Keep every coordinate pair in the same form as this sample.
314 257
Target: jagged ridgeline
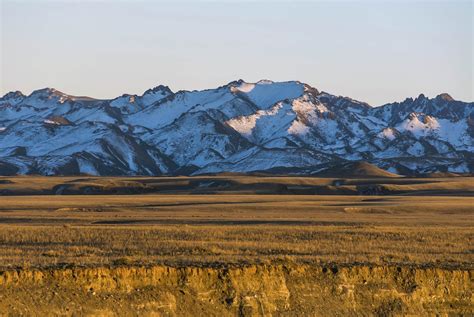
284 127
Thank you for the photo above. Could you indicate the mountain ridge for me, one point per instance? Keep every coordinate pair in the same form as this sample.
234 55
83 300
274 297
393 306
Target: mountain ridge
237 127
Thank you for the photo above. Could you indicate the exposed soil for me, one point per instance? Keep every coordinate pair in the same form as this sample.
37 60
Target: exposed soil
279 289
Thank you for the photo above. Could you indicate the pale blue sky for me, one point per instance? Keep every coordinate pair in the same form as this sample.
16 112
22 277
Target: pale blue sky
372 51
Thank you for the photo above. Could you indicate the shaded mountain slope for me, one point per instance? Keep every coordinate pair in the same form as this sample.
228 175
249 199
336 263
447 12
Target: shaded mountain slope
239 127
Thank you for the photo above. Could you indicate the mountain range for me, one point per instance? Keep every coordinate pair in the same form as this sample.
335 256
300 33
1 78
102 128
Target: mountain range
274 127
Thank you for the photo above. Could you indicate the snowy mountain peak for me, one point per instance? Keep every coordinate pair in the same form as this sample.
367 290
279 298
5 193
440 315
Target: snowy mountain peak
241 86
422 99
235 83
12 98
265 82
239 127
155 94
48 96
13 95
311 90
54 94
265 93
46 92
160 88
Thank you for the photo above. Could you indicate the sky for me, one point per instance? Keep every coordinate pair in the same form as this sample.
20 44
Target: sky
372 51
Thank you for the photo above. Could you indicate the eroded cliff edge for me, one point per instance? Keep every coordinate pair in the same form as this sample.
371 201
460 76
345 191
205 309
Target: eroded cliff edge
280 289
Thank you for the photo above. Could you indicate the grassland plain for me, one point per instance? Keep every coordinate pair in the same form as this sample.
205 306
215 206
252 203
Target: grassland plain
177 249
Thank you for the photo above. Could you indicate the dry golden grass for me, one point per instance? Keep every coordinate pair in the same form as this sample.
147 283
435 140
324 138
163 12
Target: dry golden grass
39 246
305 247
39 231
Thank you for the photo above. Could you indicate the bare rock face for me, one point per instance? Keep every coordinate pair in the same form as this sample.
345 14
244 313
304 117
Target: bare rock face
285 289
239 127
445 97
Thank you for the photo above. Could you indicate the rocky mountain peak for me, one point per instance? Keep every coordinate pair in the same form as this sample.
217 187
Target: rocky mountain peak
159 88
265 82
13 95
240 127
445 97
420 98
46 92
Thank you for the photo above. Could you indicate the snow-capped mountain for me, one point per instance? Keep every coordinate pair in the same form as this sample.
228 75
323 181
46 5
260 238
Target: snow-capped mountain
240 127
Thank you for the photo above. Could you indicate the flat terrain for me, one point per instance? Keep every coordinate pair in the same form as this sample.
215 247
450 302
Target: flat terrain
236 246
60 230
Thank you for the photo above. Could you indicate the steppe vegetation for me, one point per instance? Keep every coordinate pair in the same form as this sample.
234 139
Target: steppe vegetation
260 248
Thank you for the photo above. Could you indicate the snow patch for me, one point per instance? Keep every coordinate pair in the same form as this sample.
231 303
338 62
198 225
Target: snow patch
266 94
151 97
417 127
387 133
416 149
244 87
86 167
392 169
51 122
298 128
244 125
265 125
